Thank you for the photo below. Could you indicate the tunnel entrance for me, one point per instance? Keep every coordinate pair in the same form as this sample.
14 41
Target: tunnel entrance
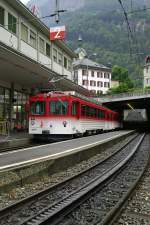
133 113
136 119
139 126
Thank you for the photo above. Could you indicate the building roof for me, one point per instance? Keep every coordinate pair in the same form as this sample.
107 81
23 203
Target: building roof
24 11
79 50
89 63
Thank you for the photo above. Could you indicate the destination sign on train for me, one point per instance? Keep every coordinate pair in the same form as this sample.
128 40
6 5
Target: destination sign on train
57 33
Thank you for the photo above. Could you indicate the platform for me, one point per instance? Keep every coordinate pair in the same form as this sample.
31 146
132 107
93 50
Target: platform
33 155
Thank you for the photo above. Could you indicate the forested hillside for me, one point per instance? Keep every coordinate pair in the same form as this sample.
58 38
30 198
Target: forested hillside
103 29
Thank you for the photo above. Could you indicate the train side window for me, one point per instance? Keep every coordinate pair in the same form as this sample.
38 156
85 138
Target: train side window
95 113
59 107
83 110
87 113
74 108
99 114
104 115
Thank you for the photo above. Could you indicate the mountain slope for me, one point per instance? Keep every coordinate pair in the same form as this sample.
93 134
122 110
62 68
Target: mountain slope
103 28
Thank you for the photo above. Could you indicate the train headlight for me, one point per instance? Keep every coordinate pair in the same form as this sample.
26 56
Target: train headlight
65 123
32 122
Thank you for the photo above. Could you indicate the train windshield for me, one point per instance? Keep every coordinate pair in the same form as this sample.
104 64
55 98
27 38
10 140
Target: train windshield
37 108
59 107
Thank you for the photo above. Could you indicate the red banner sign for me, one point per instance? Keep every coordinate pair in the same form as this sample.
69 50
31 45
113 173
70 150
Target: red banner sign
57 33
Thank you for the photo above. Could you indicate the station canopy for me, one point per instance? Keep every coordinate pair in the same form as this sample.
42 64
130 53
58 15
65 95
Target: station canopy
17 68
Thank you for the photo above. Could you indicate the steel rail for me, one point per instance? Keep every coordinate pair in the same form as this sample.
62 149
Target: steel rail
57 211
116 211
40 194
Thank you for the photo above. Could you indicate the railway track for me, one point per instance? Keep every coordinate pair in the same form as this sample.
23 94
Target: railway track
61 199
136 211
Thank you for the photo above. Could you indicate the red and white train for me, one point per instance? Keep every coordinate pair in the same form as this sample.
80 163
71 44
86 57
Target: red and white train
65 114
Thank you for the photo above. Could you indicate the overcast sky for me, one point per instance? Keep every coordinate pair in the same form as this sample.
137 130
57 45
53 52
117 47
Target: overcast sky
24 1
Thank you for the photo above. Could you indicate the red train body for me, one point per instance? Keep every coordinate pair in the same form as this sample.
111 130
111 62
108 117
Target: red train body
61 114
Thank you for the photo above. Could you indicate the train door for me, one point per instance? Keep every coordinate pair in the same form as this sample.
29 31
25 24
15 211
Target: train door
76 109
76 125
106 120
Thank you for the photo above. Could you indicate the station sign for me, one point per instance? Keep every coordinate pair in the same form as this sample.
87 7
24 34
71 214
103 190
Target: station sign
57 33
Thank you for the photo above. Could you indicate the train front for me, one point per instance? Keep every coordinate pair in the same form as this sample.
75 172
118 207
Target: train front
49 117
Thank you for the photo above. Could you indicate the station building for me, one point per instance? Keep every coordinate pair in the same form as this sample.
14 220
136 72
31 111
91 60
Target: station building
29 61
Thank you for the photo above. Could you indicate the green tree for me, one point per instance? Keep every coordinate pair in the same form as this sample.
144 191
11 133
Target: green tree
121 74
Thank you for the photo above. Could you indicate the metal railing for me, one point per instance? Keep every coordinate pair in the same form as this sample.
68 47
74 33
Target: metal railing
125 95
4 128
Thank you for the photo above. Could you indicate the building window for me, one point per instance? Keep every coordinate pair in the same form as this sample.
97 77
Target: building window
99 84
65 62
1 16
12 23
55 55
69 65
85 82
24 33
84 72
48 50
101 75
92 73
32 39
41 45
60 58
92 83
76 76
106 84
98 74
106 75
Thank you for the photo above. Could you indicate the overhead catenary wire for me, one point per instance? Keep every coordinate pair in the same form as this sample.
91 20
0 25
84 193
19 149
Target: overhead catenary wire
131 36
129 31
